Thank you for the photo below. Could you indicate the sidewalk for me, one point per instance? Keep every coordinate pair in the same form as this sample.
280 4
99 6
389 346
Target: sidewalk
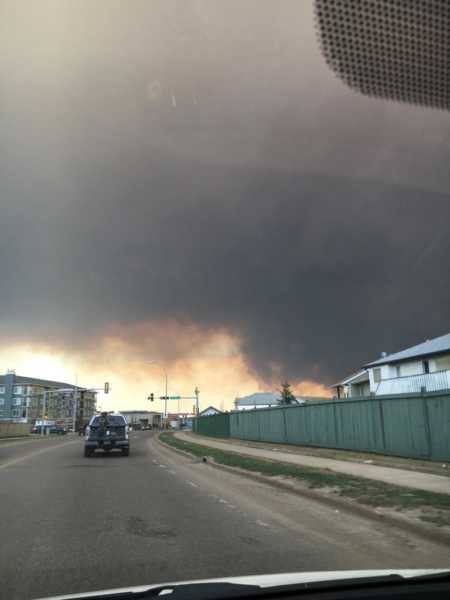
411 479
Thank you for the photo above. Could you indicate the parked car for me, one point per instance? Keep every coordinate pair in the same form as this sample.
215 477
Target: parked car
58 430
53 429
107 432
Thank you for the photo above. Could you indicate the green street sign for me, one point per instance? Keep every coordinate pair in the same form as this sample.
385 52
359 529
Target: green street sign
174 397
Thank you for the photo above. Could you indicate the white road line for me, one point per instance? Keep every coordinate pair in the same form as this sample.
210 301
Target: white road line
192 483
163 466
172 471
222 501
261 523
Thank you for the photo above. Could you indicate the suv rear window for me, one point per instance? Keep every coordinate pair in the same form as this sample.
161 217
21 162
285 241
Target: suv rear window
113 420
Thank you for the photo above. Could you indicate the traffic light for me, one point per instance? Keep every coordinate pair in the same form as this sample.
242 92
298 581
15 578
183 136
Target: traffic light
106 388
151 397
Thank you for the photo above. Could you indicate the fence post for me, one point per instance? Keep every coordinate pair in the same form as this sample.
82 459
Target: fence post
383 433
285 426
426 420
335 425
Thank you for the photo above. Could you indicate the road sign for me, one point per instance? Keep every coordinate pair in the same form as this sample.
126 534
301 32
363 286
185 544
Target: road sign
170 397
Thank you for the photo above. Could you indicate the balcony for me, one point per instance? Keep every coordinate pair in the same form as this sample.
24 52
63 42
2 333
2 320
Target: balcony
411 384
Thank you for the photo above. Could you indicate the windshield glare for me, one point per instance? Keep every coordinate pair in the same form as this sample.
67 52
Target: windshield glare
224 293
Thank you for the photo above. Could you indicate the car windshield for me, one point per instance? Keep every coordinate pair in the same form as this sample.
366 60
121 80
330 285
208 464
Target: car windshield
225 293
110 420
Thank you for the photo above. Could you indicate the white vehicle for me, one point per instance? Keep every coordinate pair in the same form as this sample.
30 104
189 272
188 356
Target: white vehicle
332 585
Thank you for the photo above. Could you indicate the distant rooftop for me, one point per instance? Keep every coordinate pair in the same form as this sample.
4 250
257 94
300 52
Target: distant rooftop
260 398
434 346
22 380
210 408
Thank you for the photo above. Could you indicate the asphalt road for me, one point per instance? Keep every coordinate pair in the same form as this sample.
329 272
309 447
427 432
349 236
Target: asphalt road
72 524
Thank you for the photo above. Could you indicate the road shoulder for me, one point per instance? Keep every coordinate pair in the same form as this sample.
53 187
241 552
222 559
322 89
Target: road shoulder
423 513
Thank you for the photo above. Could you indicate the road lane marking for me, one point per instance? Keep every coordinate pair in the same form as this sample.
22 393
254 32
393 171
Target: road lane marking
15 461
262 524
172 471
163 466
192 483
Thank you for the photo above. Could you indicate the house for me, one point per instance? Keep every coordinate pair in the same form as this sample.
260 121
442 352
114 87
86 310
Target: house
211 410
425 366
353 386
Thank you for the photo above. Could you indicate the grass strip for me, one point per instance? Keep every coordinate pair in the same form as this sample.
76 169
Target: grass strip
365 491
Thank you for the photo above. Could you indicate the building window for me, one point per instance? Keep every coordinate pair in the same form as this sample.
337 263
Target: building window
2 389
426 366
377 375
2 401
442 363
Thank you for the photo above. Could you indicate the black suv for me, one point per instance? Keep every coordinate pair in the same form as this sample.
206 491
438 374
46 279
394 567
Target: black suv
107 432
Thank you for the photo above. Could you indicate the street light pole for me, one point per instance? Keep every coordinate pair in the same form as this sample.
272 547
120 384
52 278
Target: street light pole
75 388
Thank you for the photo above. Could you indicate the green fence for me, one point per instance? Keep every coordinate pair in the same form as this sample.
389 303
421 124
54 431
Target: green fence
414 426
214 425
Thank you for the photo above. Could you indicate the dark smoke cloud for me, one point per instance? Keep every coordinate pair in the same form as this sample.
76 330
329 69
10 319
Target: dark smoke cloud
197 161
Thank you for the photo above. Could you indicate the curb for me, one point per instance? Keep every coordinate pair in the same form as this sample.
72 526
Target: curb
347 506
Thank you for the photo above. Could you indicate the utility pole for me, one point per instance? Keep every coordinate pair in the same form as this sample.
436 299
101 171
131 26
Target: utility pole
43 412
75 403
196 392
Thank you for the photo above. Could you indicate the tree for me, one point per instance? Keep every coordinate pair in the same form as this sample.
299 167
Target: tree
287 397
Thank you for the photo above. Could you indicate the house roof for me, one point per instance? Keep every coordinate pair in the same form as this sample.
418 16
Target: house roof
209 408
263 398
358 377
21 380
428 348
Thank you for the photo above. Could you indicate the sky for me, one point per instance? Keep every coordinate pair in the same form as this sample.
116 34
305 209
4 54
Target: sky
188 182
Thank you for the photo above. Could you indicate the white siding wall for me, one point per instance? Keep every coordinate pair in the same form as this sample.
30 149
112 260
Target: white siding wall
411 368
373 385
